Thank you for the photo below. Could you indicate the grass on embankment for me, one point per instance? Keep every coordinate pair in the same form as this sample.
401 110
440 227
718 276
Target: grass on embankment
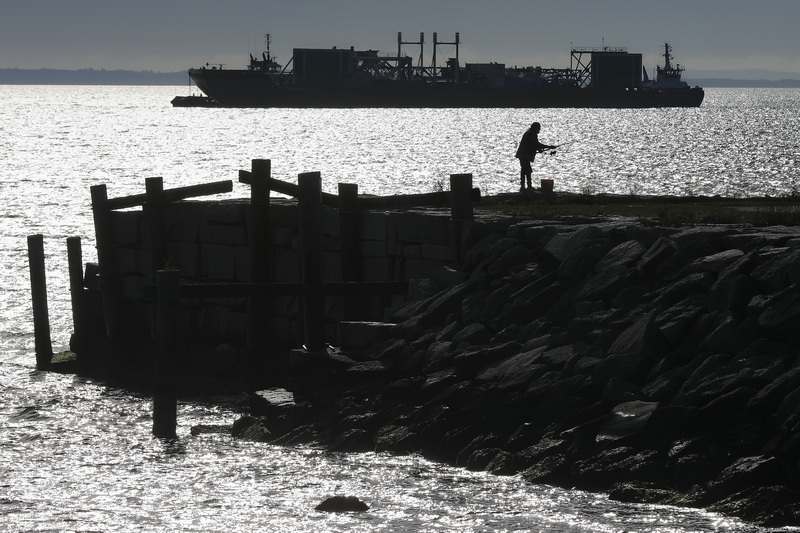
651 210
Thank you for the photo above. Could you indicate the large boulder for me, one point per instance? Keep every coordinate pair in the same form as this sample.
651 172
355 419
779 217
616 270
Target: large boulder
627 422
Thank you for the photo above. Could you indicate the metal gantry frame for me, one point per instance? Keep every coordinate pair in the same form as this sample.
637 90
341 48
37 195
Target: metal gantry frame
455 67
421 43
369 64
433 71
582 68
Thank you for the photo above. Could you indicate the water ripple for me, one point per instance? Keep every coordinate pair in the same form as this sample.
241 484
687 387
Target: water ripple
77 455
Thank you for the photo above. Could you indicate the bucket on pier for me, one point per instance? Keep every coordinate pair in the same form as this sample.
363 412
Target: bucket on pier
547 186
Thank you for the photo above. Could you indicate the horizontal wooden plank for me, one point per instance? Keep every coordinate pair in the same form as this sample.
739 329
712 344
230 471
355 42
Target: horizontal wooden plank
171 195
397 201
289 189
264 290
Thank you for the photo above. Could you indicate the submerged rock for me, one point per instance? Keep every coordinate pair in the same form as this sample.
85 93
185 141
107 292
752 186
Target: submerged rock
342 504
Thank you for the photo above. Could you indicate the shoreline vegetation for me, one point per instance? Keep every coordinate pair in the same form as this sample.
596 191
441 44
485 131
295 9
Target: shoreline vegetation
89 76
651 210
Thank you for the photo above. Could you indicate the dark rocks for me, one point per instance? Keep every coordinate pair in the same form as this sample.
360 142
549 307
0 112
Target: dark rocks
342 504
641 492
656 255
603 470
550 470
777 269
746 472
769 506
251 428
502 464
626 422
396 439
658 364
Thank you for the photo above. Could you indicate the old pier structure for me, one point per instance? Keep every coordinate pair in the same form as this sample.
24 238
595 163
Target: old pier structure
245 282
656 362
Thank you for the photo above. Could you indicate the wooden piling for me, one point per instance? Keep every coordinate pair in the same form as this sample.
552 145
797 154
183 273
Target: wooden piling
349 238
111 291
461 196
41 317
75 267
153 209
257 321
165 399
311 257
461 213
259 222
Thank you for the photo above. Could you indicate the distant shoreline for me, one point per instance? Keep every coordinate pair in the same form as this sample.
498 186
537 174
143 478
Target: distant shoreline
90 77
14 76
734 83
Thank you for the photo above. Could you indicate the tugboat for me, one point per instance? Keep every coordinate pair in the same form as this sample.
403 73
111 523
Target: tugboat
241 87
669 80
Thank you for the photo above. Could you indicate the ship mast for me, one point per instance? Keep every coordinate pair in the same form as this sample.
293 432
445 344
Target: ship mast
667 56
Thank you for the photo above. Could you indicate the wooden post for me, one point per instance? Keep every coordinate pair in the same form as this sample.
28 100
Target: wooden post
461 212
259 222
349 235
165 399
153 209
41 317
310 211
109 281
257 326
461 196
75 267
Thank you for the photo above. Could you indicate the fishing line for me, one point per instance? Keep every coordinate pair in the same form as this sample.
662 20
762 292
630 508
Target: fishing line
553 154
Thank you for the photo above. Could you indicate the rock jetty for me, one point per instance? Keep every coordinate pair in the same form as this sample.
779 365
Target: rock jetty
658 364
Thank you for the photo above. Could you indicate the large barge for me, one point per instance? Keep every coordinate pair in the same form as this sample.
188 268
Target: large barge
337 77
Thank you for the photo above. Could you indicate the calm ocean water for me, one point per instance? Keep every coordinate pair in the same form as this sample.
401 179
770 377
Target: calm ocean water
78 456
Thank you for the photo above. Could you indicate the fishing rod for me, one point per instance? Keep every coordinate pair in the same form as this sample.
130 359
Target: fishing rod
568 143
552 151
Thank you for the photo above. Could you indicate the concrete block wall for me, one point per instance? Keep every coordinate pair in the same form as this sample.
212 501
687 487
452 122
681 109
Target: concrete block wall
209 242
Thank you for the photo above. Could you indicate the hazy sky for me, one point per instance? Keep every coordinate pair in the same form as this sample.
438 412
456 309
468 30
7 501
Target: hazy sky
173 35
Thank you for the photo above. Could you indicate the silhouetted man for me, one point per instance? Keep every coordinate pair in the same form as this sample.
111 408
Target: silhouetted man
526 153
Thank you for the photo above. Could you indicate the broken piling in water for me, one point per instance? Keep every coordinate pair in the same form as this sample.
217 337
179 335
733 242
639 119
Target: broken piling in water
41 317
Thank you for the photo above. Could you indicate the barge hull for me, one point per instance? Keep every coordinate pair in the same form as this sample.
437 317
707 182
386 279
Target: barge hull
247 90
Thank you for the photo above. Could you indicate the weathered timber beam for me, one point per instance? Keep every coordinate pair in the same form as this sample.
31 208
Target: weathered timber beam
284 187
171 195
398 201
239 290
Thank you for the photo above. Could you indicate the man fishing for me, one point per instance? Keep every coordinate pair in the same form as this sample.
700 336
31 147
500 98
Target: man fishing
526 153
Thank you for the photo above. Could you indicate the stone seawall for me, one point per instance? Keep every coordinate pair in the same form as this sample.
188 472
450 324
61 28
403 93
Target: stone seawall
659 364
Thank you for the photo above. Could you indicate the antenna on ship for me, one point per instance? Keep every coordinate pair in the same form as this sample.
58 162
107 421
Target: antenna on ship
267 42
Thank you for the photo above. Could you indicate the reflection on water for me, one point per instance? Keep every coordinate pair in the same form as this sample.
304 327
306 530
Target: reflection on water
78 456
